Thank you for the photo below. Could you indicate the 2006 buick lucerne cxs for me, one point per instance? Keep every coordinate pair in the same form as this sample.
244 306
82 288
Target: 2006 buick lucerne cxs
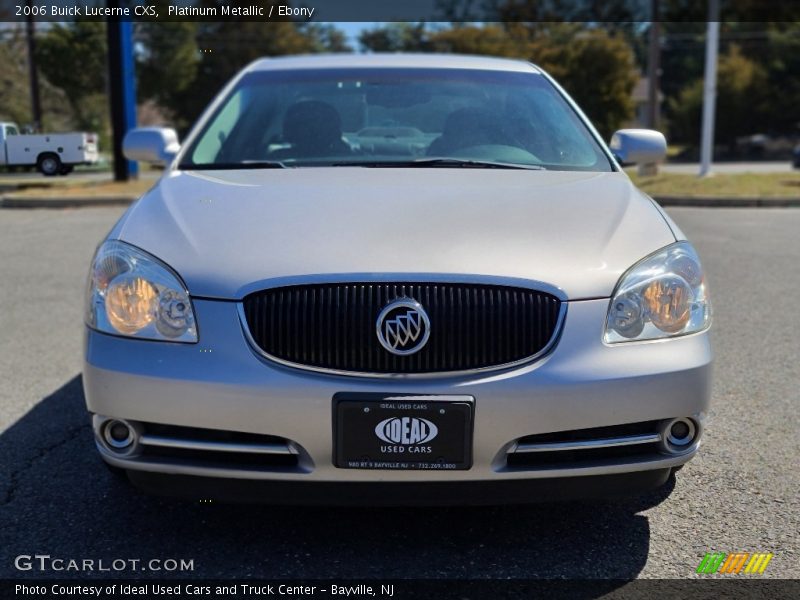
396 279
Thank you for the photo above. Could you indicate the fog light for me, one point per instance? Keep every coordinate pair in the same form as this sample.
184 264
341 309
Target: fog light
118 435
681 432
679 435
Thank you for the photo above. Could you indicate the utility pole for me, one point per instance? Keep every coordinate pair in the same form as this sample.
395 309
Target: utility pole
653 66
122 88
33 74
710 89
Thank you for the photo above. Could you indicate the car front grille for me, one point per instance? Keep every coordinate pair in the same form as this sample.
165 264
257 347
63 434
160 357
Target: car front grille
333 326
586 447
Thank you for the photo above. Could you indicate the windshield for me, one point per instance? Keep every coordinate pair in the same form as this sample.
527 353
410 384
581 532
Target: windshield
395 117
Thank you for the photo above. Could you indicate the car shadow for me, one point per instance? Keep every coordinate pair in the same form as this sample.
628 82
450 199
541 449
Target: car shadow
57 498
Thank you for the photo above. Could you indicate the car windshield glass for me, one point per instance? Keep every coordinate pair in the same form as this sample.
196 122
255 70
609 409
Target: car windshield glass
374 117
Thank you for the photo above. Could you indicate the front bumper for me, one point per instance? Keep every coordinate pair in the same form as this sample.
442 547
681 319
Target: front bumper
430 493
221 383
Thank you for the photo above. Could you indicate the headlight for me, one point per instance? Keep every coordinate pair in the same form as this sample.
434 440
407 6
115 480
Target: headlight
134 294
662 296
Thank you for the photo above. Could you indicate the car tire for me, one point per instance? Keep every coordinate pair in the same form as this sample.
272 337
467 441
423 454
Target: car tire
49 164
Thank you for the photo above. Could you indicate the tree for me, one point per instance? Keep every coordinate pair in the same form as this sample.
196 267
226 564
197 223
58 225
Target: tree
594 66
71 57
325 38
778 57
224 48
15 100
167 61
597 69
489 40
741 101
396 37
763 38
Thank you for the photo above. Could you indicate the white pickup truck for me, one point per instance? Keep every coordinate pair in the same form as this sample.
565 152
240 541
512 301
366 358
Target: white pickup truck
50 153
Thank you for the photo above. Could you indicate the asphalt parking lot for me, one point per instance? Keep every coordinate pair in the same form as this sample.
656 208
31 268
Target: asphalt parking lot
740 494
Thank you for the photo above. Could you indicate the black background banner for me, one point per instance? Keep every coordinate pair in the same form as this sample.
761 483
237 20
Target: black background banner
398 11
713 587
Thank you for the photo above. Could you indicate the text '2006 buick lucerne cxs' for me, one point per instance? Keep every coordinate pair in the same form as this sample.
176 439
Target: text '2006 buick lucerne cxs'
396 279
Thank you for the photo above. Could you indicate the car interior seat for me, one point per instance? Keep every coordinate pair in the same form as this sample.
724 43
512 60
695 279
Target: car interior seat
466 127
314 129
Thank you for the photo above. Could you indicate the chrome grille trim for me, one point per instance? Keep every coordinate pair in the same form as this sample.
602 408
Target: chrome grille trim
586 444
208 446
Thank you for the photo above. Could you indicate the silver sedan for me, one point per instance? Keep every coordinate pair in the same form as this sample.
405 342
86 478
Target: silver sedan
396 279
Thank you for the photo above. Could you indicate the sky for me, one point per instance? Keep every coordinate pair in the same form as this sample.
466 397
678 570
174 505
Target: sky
353 29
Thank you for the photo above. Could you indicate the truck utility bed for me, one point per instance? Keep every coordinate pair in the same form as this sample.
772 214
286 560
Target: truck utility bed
51 153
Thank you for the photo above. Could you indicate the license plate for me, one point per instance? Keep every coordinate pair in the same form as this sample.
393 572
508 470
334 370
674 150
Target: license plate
403 432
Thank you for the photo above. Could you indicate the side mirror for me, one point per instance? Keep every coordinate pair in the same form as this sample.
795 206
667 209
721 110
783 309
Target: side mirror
638 146
151 144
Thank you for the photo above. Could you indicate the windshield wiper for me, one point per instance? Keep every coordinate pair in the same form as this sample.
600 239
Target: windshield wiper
466 163
247 164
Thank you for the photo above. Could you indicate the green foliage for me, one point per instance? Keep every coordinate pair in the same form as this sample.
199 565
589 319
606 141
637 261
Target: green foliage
180 66
325 38
397 37
597 68
14 91
216 52
759 76
70 57
780 60
741 100
168 60
489 40
15 102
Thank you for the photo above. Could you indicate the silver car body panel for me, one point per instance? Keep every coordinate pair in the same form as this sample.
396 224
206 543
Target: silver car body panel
230 233
222 383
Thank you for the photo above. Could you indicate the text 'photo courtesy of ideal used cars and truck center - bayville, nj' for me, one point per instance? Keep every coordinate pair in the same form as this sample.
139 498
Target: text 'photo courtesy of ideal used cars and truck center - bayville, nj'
438 299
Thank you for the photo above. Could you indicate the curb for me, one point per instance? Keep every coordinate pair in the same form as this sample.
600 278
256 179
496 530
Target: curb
64 202
708 202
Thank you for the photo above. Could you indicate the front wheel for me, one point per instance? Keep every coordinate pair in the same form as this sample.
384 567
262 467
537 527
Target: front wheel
49 165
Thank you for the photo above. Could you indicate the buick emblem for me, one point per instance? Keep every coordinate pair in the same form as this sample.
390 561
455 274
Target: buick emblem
403 327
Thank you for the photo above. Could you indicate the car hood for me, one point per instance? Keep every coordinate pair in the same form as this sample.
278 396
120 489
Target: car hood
228 233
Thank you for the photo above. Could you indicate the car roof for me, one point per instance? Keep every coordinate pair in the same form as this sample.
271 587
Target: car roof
423 61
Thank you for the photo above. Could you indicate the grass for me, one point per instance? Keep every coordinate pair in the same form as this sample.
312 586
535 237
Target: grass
674 150
738 185
79 188
734 185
